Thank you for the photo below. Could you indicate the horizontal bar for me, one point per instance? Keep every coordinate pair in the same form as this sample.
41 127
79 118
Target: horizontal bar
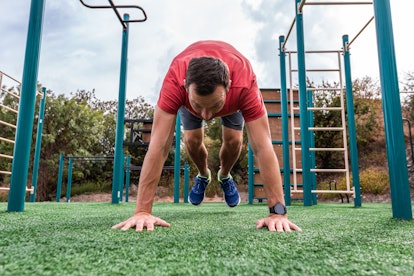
325 108
6 156
5 172
9 108
7 124
6 140
31 190
10 93
326 128
328 170
327 149
339 3
333 191
324 88
324 170
10 77
318 70
316 52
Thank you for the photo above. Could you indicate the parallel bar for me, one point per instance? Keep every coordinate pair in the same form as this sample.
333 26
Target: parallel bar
339 3
333 191
325 108
10 93
6 156
6 140
8 108
327 149
5 172
8 189
326 128
7 124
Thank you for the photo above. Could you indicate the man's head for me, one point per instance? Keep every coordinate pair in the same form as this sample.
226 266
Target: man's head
207 82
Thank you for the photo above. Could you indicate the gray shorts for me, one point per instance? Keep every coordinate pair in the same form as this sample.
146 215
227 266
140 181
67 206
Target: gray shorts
189 121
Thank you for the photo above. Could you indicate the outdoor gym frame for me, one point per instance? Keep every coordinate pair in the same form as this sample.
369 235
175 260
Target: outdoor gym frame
393 122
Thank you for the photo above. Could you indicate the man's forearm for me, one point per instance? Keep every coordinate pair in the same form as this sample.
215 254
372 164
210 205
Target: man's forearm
148 182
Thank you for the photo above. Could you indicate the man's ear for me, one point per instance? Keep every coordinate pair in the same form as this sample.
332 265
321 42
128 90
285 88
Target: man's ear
228 87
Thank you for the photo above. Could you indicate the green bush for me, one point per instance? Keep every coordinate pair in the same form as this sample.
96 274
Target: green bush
372 181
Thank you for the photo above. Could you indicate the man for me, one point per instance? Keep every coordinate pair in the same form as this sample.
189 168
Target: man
210 79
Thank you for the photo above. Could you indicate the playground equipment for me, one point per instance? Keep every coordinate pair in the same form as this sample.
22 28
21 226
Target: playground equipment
5 79
400 189
140 135
125 20
117 180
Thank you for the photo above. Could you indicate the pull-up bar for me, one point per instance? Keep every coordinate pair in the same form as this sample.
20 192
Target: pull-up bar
115 9
303 3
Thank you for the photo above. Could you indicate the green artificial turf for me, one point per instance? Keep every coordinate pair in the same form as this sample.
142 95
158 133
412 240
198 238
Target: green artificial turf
211 239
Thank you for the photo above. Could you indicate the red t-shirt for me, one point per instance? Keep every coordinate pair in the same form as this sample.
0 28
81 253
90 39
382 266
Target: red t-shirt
244 94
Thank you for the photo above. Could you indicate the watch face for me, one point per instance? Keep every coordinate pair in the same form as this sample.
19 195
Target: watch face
280 209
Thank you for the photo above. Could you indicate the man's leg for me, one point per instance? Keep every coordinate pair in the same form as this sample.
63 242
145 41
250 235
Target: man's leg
194 144
232 133
230 149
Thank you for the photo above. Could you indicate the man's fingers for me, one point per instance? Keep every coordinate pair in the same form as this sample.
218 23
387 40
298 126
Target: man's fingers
119 225
271 226
161 222
295 227
140 226
260 223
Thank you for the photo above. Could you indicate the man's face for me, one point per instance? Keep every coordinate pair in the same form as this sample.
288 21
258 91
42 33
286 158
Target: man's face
207 106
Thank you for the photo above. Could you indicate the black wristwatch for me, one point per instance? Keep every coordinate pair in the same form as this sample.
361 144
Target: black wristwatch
278 209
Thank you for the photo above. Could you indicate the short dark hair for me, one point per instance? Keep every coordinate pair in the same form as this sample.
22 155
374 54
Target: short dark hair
207 73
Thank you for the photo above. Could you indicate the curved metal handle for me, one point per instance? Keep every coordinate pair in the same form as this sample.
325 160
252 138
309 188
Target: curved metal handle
115 8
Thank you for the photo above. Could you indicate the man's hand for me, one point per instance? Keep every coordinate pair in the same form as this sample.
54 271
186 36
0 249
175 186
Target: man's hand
277 223
141 221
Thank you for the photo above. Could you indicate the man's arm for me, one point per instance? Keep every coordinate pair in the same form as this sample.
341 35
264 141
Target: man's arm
162 134
261 142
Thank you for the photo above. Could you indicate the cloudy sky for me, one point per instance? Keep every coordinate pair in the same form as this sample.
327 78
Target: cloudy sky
81 47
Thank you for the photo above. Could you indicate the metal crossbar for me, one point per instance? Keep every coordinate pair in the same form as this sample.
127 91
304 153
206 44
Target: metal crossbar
115 9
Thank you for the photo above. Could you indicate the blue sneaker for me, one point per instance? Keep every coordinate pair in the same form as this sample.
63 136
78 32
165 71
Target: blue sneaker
231 195
198 190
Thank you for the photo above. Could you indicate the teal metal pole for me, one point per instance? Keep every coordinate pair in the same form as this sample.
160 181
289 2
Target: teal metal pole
118 159
69 187
38 148
303 106
394 133
285 123
353 146
186 181
23 139
60 176
127 177
177 160
122 177
250 177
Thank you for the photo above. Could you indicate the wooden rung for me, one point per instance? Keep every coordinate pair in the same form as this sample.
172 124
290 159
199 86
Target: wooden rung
324 170
7 124
325 108
31 190
6 140
326 128
6 156
5 172
333 191
327 149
